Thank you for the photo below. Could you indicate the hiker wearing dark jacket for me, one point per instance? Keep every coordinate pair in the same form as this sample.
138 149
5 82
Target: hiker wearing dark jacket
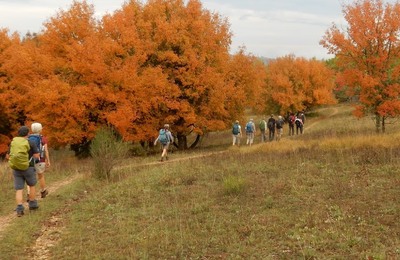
271 127
165 138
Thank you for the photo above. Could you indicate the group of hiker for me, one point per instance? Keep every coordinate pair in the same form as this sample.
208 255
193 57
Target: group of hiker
273 125
28 157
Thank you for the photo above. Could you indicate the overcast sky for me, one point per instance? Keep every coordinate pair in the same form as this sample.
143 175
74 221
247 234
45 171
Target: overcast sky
268 28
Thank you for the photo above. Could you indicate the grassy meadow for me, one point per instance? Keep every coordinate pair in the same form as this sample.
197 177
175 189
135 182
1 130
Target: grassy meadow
331 193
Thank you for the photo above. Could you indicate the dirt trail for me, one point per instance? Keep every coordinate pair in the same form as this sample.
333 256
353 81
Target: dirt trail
6 220
52 229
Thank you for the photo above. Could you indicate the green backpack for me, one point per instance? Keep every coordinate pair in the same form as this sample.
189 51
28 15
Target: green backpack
19 154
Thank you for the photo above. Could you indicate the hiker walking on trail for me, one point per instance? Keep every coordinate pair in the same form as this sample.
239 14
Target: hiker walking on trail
44 161
250 132
299 125
291 120
279 127
22 156
301 115
271 128
165 138
263 126
236 133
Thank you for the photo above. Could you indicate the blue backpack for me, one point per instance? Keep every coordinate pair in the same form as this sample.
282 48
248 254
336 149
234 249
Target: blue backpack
235 129
37 139
249 127
163 137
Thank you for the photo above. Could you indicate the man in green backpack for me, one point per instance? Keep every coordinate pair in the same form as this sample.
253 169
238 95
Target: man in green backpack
22 157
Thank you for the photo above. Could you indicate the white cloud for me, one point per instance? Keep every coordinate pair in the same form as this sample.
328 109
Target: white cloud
266 27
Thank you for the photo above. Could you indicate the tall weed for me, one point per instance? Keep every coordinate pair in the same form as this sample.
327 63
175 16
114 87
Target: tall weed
107 151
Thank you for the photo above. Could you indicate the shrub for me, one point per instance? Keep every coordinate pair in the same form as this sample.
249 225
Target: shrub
107 150
233 185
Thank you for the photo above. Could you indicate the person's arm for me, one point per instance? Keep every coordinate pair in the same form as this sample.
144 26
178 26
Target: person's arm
171 138
46 151
34 150
155 142
47 156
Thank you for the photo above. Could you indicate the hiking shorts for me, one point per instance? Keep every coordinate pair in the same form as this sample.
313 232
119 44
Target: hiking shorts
20 177
165 146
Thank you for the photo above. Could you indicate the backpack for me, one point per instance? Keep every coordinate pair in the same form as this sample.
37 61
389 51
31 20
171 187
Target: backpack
270 124
19 154
249 127
37 139
162 137
235 129
279 124
262 125
292 118
298 123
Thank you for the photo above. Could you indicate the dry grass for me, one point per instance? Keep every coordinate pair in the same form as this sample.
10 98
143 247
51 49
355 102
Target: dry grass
332 193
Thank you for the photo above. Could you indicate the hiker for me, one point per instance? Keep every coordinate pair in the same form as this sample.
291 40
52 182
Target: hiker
279 127
299 125
263 125
165 138
271 128
250 132
291 120
236 133
44 161
22 156
301 115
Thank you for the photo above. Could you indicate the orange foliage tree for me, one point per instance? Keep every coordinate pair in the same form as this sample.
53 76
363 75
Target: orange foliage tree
367 54
136 69
295 84
247 74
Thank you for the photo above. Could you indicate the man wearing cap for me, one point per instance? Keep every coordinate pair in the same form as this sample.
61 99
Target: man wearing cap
22 176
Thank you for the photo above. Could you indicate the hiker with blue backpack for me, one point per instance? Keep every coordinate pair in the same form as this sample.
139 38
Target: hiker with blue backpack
250 132
165 138
236 133
44 161
22 156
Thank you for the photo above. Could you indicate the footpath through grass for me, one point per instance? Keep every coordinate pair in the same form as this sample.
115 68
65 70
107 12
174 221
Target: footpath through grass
332 193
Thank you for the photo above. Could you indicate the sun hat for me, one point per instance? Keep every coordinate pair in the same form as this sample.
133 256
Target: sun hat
36 128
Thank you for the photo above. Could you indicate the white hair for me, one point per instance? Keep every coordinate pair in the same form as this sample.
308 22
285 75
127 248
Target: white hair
36 128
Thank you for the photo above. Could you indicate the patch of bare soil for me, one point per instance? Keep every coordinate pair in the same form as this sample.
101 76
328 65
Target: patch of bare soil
5 221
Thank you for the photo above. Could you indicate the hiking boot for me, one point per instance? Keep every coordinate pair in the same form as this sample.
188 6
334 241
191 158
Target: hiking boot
166 158
162 159
33 204
27 197
20 210
44 193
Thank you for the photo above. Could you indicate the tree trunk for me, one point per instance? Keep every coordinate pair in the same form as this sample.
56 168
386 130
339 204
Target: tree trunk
194 144
383 125
182 141
377 122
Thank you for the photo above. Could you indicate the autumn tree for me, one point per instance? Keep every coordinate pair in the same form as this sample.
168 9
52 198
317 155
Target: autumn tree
134 70
247 74
367 54
295 84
